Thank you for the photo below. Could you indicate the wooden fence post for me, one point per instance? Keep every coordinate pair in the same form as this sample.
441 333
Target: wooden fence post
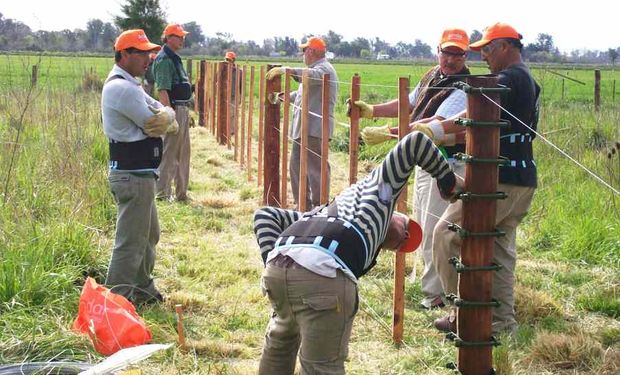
35 75
250 120
229 103
303 148
474 316
271 153
285 125
597 90
236 107
189 69
214 98
200 88
222 110
400 259
244 73
324 197
354 131
261 130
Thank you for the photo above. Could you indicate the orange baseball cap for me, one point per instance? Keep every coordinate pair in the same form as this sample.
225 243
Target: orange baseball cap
497 31
135 38
315 43
414 237
175 29
454 38
230 55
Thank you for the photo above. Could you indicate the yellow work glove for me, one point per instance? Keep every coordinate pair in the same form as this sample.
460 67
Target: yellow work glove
373 135
274 72
366 110
173 128
432 129
159 123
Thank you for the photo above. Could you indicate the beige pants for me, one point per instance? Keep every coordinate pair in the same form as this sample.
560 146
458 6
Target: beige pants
175 159
429 206
310 311
447 244
313 194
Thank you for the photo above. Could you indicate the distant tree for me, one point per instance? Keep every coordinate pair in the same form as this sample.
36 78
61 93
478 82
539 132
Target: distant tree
332 39
613 55
380 46
94 34
358 45
142 14
195 36
287 46
108 36
475 36
365 53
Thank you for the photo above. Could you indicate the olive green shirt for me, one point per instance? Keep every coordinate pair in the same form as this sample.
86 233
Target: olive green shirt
167 74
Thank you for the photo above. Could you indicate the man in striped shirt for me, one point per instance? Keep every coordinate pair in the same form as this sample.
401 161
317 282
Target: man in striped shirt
313 260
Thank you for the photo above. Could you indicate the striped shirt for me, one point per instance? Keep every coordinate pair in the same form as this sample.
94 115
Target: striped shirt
368 204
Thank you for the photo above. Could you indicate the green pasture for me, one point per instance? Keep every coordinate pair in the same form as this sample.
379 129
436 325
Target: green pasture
57 222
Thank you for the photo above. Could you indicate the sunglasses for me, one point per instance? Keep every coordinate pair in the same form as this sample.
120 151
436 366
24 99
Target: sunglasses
452 54
488 48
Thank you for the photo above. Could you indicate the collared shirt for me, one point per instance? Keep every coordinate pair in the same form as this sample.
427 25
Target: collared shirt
124 107
168 70
315 75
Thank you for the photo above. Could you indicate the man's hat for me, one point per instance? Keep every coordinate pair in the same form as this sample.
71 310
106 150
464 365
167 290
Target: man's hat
454 38
414 237
315 43
175 29
497 31
230 55
135 38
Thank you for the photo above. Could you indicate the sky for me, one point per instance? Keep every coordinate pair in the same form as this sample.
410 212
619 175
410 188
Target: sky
590 25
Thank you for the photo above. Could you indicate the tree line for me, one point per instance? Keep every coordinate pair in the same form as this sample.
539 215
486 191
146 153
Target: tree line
99 36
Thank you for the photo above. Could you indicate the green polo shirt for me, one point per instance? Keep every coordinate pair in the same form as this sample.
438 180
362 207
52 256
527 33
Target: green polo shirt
166 74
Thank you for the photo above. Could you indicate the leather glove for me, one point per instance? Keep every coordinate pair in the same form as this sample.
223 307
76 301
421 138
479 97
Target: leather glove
173 128
158 124
373 135
432 129
274 72
366 110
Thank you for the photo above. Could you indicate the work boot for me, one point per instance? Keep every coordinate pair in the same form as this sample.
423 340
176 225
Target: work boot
446 324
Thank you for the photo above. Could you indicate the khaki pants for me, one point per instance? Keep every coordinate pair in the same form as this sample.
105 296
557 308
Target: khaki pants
429 206
313 195
310 311
447 244
137 233
175 159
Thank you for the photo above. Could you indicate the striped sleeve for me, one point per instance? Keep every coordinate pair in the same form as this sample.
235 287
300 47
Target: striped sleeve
269 223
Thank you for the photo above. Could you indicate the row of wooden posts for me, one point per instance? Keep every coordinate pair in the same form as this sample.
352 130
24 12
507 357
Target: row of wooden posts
215 105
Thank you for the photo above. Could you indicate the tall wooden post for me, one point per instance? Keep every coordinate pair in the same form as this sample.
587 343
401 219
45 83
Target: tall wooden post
261 129
214 78
613 91
354 132
285 125
207 94
271 188
190 67
563 88
35 75
597 90
303 148
222 102
474 316
229 103
250 120
324 197
399 259
200 88
236 109
242 130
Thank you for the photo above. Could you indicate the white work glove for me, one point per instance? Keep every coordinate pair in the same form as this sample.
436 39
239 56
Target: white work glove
173 128
274 72
373 135
158 124
366 110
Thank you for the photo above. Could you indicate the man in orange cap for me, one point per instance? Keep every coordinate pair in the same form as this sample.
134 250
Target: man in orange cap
428 104
174 89
500 47
135 144
313 260
317 65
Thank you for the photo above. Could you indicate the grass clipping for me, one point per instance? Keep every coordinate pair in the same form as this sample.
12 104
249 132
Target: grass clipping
564 351
532 305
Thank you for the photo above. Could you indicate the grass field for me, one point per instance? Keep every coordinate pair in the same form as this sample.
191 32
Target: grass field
57 224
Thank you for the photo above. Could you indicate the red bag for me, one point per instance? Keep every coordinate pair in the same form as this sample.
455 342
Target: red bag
109 319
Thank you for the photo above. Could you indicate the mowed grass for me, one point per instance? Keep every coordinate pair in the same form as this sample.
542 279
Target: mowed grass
57 225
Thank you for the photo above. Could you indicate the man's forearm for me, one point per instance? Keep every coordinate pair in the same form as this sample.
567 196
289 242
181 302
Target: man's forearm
164 98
